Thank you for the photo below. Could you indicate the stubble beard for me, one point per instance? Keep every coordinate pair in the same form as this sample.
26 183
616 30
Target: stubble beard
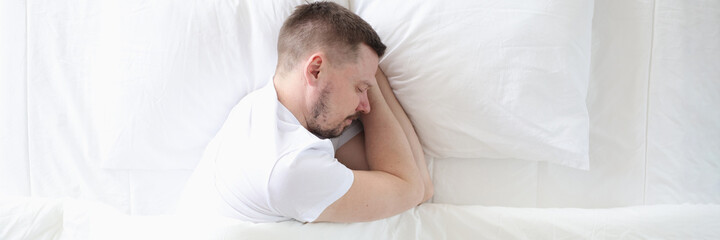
320 112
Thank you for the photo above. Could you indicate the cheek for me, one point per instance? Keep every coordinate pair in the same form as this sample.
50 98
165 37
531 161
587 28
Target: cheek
353 101
345 99
347 104
336 106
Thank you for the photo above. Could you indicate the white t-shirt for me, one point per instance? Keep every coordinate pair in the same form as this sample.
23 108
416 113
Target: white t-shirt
264 166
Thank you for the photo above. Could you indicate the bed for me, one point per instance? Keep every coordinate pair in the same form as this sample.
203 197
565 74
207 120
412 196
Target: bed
539 119
74 219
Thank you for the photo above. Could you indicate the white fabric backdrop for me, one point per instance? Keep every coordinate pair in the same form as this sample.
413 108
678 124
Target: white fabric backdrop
683 141
617 99
654 133
14 179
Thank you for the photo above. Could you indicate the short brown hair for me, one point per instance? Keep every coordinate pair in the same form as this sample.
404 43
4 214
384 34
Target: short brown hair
324 25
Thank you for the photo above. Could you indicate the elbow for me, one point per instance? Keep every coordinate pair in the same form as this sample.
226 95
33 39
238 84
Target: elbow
428 192
415 193
423 192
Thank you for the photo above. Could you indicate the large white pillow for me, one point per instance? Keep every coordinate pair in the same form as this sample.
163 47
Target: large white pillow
169 72
490 79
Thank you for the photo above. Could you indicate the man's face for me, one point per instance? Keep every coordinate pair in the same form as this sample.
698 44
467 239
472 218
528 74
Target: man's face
343 98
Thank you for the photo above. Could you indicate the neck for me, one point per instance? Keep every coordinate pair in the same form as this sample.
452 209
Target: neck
291 94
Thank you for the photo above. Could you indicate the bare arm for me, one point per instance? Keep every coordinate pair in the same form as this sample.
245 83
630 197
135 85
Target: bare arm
393 184
409 130
352 153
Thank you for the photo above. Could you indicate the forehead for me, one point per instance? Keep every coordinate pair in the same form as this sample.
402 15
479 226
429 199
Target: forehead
367 64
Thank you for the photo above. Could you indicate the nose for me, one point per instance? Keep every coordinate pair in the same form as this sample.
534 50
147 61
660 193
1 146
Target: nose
364 105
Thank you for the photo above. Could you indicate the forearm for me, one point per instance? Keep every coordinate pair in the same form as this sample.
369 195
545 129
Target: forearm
386 145
409 132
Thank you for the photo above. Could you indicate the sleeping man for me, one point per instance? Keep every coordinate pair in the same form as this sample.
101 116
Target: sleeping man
327 77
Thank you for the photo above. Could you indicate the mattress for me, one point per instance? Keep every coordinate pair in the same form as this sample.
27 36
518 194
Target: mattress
37 218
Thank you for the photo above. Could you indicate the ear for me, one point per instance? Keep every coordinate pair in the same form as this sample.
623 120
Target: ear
313 67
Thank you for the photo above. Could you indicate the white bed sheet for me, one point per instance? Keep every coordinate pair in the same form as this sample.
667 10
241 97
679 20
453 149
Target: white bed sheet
73 219
656 152
683 142
14 179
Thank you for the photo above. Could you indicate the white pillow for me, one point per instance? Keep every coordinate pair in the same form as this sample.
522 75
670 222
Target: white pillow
490 79
169 72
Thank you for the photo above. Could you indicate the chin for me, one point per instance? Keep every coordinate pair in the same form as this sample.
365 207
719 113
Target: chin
337 132
330 133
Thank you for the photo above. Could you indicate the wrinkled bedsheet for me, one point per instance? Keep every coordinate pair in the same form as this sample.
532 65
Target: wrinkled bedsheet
34 218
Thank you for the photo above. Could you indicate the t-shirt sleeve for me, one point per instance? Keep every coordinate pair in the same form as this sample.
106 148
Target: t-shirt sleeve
301 187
